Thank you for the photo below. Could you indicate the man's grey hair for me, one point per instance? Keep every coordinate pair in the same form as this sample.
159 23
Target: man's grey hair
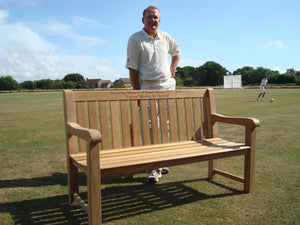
150 7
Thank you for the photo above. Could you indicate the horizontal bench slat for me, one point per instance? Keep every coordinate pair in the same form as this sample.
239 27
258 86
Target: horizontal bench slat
171 162
158 156
143 149
162 151
137 95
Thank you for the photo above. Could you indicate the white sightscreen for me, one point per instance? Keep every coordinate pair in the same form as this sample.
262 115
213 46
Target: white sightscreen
233 81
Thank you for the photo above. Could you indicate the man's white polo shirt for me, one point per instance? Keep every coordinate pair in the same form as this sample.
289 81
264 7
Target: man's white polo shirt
149 55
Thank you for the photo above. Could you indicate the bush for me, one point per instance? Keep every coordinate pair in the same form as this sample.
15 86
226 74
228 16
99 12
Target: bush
30 85
8 83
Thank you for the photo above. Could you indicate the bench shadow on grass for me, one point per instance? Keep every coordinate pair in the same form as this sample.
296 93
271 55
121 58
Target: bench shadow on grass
118 202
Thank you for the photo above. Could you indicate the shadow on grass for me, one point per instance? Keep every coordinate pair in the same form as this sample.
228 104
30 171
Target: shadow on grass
118 202
54 179
59 179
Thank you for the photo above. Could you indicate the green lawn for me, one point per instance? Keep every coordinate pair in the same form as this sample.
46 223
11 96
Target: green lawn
33 183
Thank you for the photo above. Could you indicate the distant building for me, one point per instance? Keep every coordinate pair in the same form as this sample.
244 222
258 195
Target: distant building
93 82
122 82
105 84
98 83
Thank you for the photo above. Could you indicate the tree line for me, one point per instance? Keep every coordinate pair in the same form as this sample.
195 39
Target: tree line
208 74
212 73
70 81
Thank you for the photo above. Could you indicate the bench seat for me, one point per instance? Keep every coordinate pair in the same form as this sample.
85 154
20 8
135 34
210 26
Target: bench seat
135 159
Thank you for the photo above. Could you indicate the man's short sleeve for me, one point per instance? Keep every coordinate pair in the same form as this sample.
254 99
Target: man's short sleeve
132 54
173 47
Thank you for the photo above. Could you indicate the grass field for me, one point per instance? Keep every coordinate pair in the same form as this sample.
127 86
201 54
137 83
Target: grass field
33 180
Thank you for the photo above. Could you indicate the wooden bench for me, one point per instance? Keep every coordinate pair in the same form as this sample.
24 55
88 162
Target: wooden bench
124 132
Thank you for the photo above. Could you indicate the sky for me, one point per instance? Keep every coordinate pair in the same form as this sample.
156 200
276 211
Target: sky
48 39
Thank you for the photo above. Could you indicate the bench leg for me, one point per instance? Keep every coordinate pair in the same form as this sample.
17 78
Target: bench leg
94 185
212 165
73 184
249 165
249 172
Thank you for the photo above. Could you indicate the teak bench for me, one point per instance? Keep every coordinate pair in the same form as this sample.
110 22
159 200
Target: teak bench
123 132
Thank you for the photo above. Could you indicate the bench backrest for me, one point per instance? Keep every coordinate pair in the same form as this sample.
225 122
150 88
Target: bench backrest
133 118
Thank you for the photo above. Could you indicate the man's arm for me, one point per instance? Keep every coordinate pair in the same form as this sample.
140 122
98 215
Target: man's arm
265 84
174 64
134 78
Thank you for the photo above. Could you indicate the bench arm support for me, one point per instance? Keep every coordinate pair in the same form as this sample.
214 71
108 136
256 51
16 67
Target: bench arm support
90 135
245 121
250 140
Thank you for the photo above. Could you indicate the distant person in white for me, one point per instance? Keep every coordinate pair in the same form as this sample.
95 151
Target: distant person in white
263 86
147 61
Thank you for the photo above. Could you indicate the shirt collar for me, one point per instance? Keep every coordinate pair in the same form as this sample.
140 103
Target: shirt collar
147 36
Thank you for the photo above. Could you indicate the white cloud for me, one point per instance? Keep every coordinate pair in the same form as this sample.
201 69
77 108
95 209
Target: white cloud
23 64
3 15
106 61
277 44
83 21
55 27
87 41
106 71
27 55
18 34
191 62
59 29
279 70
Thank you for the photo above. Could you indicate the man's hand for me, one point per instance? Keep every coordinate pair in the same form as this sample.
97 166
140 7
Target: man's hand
134 79
174 64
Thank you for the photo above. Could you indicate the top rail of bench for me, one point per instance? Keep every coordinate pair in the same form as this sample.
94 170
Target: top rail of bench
136 95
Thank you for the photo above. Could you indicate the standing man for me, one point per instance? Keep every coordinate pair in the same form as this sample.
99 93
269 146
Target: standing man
263 86
147 61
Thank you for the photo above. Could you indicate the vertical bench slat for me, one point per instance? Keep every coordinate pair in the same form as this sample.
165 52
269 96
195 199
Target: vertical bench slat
202 116
212 105
145 122
115 124
163 121
135 123
93 115
180 119
189 118
197 118
206 108
104 125
209 130
172 120
154 122
125 124
81 120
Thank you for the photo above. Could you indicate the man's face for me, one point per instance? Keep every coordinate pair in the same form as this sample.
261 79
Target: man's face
151 20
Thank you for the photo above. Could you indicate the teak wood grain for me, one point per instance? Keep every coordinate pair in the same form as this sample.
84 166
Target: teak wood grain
124 132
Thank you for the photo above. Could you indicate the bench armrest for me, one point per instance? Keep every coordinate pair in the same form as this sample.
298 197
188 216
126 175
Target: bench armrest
245 121
90 135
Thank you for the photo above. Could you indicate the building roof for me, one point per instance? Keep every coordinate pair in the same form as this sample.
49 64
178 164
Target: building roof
125 80
99 83
92 81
